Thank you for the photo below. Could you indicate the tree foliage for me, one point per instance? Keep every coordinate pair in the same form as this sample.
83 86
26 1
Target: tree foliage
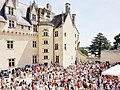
99 43
117 41
84 51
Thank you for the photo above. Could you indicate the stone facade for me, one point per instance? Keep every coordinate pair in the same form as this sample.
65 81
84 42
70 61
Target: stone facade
112 56
33 35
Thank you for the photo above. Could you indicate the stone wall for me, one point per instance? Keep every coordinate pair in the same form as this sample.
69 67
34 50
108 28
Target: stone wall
110 55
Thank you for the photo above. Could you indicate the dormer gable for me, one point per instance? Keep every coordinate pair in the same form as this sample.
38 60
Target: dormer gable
34 7
10 7
32 14
34 11
10 3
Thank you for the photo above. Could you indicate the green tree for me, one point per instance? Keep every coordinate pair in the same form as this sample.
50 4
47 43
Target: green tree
117 41
84 51
99 43
111 48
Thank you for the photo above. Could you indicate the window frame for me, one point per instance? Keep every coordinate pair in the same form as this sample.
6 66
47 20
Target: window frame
11 62
10 10
22 26
75 48
11 24
28 27
56 46
45 57
34 17
56 33
75 35
57 59
45 41
65 46
34 44
10 44
45 33
46 50
65 34
34 59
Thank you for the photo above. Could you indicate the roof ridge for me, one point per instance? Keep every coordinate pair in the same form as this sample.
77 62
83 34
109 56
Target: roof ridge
60 14
23 3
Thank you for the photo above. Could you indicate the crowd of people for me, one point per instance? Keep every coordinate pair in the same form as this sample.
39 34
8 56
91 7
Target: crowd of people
80 76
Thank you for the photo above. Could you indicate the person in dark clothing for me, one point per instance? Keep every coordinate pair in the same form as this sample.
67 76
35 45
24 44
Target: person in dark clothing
84 84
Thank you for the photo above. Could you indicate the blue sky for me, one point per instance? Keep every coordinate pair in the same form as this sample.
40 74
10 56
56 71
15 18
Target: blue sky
93 16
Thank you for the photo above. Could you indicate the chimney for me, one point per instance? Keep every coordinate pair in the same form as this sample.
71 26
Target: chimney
67 7
73 18
48 7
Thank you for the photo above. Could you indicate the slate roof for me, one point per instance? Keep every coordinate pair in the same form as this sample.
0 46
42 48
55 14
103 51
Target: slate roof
59 19
20 13
1 10
2 19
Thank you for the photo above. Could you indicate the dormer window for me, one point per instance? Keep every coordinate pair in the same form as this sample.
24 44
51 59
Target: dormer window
10 10
11 24
33 17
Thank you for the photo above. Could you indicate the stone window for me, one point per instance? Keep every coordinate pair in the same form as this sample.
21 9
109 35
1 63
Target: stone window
33 17
28 27
75 35
45 57
10 44
45 33
10 10
35 28
22 27
34 44
65 34
34 59
65 46
56 46
75 42
56 33
45 50
11 24
75 48
57 59
11 62
45 41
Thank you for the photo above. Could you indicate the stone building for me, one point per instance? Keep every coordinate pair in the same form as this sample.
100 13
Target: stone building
32 35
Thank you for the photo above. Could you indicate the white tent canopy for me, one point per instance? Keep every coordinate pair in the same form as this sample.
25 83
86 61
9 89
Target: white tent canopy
113 71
